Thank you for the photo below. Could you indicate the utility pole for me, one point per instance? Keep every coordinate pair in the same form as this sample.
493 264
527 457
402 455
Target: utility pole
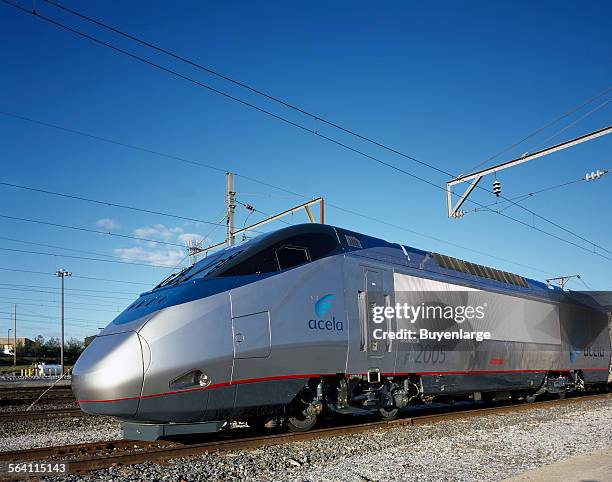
230 202
8 340
14 335
62 273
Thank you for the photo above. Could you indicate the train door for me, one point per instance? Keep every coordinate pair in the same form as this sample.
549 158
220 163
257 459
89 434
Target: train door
251 335
375 295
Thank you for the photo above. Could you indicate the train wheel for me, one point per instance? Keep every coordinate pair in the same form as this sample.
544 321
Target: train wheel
388 413
300 422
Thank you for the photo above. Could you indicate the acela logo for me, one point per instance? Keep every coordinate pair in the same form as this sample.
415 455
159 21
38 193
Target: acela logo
321 308
574 356
323 305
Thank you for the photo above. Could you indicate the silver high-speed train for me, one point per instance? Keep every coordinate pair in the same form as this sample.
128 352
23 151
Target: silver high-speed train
283 327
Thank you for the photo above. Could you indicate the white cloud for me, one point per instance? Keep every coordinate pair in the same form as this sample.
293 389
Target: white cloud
154 253
164 257
158 231
108 223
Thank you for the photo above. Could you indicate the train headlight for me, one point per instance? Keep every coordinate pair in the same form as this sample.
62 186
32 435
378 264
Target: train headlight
203 379
190 379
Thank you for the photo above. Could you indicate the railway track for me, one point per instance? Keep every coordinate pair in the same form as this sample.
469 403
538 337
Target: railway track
93 456
22 415
25 396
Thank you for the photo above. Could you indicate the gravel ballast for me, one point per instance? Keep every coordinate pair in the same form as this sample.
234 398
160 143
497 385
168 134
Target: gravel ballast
491 447
57 431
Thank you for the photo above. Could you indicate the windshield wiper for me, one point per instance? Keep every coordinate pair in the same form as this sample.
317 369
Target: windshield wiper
213 264
167 280
209 268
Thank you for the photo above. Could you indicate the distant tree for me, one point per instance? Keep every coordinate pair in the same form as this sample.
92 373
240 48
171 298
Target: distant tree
38 346
73 349
51 348
23 349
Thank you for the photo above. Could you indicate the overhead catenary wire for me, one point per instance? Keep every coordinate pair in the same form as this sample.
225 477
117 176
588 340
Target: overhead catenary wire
85 258
89 230
544 127
69 289
55 298
296 108
275 99
53 317
67 306
528 195
112 299
91 278
571 124
595 245
48 321
107 203
338 207
276 187
33 243
243 102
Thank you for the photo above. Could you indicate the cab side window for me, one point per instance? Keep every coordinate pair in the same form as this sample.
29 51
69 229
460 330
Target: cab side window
290 256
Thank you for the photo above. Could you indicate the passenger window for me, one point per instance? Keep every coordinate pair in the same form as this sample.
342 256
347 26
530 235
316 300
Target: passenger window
290 256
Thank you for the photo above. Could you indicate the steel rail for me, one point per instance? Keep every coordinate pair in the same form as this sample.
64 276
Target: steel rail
29 399
94 456
41 414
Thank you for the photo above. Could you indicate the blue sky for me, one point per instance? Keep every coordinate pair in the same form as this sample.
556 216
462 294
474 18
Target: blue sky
450 83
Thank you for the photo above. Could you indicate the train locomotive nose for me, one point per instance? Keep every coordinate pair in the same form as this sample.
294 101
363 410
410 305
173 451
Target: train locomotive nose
107 377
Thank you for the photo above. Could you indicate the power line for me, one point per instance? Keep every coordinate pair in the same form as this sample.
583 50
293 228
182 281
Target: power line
522 197
315 117
111 141
114 299
332 140
20 301
92 278
68 249
321 135
103 302
53 317
275 99
544 127
70 289
236 99
107 203
59 255
88 230
564 128
30 313
273 186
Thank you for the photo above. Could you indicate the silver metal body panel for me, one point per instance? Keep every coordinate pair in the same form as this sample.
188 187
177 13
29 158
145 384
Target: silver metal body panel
259 343
289 298
182 338
110 368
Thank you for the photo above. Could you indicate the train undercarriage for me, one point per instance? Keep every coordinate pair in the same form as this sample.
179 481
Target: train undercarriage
384 397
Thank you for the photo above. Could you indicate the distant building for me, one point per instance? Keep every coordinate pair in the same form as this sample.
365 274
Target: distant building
6 344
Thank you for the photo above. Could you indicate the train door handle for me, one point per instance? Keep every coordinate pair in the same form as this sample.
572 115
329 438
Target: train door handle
238 337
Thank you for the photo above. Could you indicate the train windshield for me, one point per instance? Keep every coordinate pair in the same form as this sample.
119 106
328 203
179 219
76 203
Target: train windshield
278 253
202 268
